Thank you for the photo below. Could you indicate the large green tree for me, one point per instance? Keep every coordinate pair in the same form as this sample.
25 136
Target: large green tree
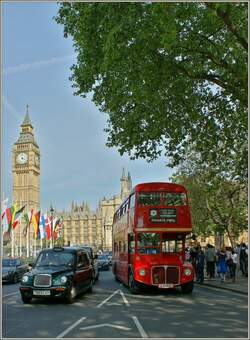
218 205
168 75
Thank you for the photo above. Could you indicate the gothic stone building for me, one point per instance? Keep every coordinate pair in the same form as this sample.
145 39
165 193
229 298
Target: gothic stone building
80 225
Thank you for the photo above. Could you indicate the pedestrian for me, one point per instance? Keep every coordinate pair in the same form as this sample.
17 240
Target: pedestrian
187 254
222 268
234 257
210 260
200 262
243 259
229 261
193 254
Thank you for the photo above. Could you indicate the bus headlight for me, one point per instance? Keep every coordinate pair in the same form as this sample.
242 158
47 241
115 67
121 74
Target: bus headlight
187 271
142 272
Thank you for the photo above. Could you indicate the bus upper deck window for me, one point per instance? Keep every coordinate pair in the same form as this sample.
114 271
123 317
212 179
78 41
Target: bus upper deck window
149 198
174 199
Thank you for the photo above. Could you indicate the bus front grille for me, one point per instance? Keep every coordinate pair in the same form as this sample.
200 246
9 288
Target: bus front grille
172 275
165 275
158 275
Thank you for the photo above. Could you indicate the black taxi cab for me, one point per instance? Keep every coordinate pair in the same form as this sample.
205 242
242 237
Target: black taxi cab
63 272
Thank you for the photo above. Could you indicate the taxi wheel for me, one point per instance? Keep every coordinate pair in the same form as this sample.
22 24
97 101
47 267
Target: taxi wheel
71 295
26 299
187 288
134 288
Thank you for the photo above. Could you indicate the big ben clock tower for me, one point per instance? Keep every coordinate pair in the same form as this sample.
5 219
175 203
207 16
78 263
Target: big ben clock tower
26 168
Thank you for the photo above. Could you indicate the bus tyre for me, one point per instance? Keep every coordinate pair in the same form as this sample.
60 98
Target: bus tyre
133 286
187 288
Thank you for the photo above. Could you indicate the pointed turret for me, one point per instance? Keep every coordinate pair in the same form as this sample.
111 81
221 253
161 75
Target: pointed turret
27 120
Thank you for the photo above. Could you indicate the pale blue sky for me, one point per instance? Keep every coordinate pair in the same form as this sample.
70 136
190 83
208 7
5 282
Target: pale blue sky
75 163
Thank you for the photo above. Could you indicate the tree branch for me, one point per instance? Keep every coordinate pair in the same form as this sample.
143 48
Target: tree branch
225 18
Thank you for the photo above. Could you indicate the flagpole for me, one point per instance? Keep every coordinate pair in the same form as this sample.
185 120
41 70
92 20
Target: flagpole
20 233
12 236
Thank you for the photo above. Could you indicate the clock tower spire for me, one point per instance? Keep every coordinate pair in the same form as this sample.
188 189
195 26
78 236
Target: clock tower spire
26 167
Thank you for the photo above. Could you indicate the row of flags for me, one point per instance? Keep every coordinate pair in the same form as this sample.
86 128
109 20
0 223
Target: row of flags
45 227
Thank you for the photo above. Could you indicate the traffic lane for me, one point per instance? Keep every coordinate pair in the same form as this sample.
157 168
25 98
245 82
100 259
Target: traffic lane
105 314
48 318
205 313
8 288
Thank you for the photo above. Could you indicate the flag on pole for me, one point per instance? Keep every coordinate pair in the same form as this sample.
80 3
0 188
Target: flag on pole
4 207
48 228
35 224
4 221
28 219
42 226
10 216
17 217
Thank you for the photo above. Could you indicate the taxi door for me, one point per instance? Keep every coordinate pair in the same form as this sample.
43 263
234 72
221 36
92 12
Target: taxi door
84 271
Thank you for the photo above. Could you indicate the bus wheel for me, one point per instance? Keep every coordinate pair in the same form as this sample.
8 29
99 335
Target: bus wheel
133 286
187 288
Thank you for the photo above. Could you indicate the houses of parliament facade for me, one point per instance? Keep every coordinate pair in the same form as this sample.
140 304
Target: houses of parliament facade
80 224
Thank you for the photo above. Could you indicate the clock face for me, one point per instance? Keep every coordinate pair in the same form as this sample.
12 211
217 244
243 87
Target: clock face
22 158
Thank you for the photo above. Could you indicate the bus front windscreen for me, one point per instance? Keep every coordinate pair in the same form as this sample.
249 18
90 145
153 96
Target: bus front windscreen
149 243
155 243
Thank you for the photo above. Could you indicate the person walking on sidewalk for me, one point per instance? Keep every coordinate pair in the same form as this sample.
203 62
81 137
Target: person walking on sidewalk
200 261
234 257
222 268
243 259
210 260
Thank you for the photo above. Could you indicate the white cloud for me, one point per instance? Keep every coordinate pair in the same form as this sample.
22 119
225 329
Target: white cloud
10 108
37 64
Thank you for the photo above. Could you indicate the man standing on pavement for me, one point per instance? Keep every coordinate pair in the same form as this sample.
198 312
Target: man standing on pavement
243 259
200 261
210 260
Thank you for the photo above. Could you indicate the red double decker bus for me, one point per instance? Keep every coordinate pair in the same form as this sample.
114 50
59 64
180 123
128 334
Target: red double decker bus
149 231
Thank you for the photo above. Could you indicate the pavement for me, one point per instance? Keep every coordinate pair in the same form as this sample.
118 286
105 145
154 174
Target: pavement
239 286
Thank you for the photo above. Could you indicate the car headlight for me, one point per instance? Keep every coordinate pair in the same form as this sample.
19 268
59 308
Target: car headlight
63 279
142 272
187 271
25 279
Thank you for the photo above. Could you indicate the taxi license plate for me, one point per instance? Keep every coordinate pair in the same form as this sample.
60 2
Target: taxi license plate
166 285
41 292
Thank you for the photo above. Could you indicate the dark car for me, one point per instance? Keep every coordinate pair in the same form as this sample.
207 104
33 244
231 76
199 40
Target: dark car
62 272
103 262
93 259
13 270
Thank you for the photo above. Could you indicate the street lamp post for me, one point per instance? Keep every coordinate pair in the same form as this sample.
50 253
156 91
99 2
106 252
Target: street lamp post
51 218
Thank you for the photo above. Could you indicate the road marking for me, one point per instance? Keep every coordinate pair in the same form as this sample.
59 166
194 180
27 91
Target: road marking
109 297
61 335
124 299
106 325
9 294
139 327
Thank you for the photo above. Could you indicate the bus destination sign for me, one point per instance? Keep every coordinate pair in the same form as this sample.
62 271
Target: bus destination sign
166 216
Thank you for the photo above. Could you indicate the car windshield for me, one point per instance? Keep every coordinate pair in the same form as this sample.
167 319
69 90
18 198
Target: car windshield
8 263
102 257
55 259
